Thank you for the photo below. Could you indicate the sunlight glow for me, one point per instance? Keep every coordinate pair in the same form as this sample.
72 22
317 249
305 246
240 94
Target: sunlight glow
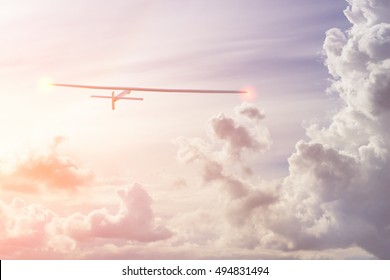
44 84
250 95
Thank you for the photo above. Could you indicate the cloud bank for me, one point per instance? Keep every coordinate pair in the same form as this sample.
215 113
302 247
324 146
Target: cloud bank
336 194
339 179
34 231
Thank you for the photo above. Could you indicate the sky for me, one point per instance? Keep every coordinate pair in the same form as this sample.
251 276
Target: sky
297 169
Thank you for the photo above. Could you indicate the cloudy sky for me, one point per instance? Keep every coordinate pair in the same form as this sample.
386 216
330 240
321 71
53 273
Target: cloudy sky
298 169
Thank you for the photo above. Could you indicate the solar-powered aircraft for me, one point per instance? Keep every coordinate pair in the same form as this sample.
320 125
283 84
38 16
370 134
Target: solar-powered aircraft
128 90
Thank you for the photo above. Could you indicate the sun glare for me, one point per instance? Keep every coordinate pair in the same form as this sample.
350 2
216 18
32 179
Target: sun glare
250 94
44 84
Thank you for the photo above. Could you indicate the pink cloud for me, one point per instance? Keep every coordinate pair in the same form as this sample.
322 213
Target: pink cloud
250 111
241 137
242 198
50 171
30 230
337 193
22 226
133 221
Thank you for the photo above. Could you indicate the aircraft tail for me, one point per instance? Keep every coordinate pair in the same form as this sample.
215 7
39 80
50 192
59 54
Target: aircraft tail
114 98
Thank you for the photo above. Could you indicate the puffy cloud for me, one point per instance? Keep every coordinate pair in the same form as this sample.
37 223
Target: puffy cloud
34 230
359 60
133 221
22 226
238 136
331 200
239 198
337 193
250 111
368 13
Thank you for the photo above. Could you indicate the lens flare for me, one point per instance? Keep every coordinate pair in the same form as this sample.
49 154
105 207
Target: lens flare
250 94
44 84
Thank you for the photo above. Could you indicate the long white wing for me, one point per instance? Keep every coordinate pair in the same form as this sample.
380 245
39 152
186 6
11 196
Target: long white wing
154 89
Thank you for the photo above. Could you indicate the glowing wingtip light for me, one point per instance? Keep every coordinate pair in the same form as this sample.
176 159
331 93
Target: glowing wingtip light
44 84
249 94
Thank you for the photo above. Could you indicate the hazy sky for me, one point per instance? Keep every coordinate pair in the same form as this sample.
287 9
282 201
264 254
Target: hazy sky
194 176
